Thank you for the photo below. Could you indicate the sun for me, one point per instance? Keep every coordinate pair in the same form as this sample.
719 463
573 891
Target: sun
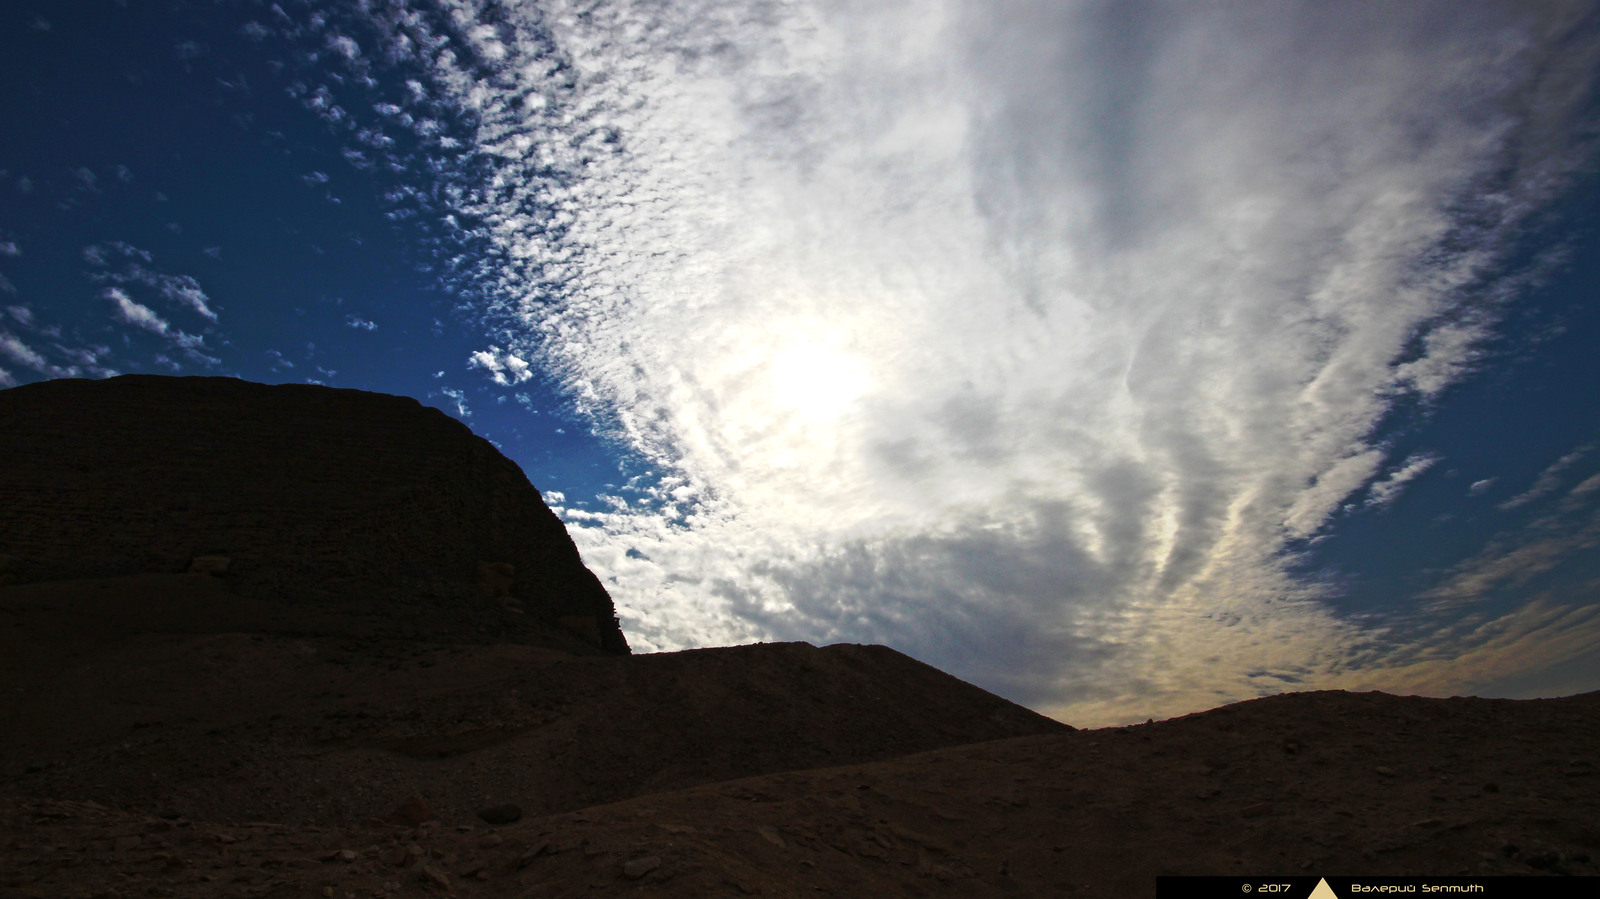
817 380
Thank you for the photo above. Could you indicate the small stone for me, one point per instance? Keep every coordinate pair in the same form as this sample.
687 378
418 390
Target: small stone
1491 787
527 858
1385 771
435 876
771 835
415 811
492 839
639 867
348 855
394 856
501 814
1255 811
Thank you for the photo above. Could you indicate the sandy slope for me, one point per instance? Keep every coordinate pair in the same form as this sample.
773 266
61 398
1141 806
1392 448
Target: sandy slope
170 751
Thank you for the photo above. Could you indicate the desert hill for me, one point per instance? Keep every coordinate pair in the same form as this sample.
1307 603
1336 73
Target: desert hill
328 716
317 498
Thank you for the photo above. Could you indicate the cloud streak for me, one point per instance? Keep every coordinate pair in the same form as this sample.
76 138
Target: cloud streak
1032 339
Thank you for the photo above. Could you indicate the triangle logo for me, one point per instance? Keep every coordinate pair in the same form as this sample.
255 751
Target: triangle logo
1323 891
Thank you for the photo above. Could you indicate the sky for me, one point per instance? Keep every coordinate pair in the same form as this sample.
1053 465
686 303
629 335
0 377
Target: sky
1125 359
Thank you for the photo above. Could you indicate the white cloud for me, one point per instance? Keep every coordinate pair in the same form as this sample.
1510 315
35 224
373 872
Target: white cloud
1383 493
504 368
459 399
6 379
345 46
183 290
141 316
179 290
135 313
1478 487
1025 337
360 324
9 248
19 352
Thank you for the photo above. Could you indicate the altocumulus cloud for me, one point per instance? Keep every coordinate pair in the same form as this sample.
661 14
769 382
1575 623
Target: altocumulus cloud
1030 338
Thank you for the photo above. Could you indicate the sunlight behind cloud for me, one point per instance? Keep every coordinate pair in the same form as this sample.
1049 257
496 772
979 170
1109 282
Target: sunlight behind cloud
817 381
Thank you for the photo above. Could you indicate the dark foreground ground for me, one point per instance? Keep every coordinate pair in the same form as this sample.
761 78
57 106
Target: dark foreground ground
161 738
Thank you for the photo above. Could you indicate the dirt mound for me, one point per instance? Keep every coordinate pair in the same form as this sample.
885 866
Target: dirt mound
209 720
330 500
1319 783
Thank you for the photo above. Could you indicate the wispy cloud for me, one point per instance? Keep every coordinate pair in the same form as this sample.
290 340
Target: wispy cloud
19 352
78 360
1384 492
1548 480
458 398
359 323
178 290
141 316
1026 337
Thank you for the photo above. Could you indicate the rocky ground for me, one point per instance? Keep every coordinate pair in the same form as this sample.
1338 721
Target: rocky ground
202 747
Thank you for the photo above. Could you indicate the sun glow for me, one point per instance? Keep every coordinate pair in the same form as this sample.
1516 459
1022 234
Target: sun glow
817 381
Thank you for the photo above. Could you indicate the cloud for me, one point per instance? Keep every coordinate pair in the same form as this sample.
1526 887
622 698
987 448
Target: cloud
1029 338
459 399
1517 558
19 352
178 290
141 316
136 314
359 323
504 368
9 248
1383 493
1549 479
1478 487
7 379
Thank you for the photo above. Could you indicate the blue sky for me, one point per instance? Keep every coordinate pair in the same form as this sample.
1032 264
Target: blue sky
1122 358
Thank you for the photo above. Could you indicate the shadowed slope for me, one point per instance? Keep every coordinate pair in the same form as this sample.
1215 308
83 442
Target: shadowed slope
214 722
340 500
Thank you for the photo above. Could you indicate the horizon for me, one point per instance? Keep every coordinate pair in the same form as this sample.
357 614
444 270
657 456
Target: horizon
1123 360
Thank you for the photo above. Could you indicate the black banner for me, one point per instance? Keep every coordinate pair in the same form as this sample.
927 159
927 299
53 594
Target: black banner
1302 887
